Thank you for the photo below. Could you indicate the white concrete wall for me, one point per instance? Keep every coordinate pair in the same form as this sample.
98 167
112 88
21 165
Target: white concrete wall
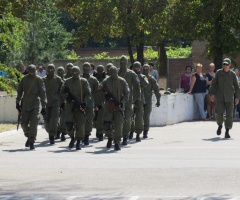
174 108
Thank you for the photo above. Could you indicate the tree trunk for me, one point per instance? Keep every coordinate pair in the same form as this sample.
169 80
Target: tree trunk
162 59
140 48
130 53
218 58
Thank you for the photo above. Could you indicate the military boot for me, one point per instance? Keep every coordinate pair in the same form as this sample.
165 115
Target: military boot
116 147
58 135
51 139
78 145
63 137
71 144
27 143
145 134
131 135
138 139
219 130
31 146
124 141
227 133
109 143
86 140
100 137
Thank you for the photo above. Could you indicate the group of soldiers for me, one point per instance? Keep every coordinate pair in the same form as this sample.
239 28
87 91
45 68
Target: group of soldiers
117 103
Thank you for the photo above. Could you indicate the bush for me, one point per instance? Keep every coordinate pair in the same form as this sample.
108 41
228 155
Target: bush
9 83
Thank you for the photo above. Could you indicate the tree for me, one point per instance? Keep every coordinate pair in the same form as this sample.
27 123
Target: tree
46 38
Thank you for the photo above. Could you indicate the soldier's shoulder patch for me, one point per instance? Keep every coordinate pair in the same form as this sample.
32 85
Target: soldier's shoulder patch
137 79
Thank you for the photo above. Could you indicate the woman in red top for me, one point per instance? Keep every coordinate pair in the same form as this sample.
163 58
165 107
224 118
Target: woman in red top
185 79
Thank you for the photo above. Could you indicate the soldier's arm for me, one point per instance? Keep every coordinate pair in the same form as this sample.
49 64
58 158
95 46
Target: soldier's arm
213 86
136 87
42 92
86 92
60 83
19 91
62 91
95 92
126 92
156 90
143 81
236 87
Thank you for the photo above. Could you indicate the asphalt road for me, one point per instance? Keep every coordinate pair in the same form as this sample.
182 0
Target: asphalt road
183 161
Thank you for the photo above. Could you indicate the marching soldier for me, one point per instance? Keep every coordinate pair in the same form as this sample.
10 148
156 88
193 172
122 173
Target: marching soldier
30 88
99 104
77 92
222 89
116 93
53 86
137 122
134 97
148 91
93 82
69 67
62 121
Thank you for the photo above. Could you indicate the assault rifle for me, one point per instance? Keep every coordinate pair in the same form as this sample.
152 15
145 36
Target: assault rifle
114 103
78 106
19 115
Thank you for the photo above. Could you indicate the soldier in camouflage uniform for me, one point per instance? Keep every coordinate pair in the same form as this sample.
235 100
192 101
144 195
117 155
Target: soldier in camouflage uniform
30 88
116 93
77 92
93 82
69 67
137 121
222 89
53 85
148 91
62 121
99 104
134 97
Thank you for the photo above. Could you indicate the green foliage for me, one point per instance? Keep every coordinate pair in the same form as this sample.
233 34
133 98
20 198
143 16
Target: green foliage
103 55
179 52
12 30
72 55
9 84
46 38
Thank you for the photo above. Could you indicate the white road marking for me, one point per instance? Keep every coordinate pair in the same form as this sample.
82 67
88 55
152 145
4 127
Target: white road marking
134 197
5 197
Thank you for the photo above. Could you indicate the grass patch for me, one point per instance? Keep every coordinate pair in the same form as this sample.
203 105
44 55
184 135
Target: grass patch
8 127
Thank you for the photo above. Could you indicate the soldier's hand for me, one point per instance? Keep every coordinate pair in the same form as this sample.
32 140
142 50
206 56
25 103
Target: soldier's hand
84 106
236 101
62 107
18 107
136 103
212 98
43 111
157 104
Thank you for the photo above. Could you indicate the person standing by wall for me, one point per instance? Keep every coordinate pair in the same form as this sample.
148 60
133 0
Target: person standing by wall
210 104
221 91
185 79
153 72
41 71
198 89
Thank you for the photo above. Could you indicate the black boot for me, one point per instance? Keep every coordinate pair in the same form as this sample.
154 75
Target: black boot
100 136
63 137
86 140
219 130
124 141
27 143
116 147
109 143
51 139
227 133
31 146
131 135
58 135
78 145
138 139
145 134
71 144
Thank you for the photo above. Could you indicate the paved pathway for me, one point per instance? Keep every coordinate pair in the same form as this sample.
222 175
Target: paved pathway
183 161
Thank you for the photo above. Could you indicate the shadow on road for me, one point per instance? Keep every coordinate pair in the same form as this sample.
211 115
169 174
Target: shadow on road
216 139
